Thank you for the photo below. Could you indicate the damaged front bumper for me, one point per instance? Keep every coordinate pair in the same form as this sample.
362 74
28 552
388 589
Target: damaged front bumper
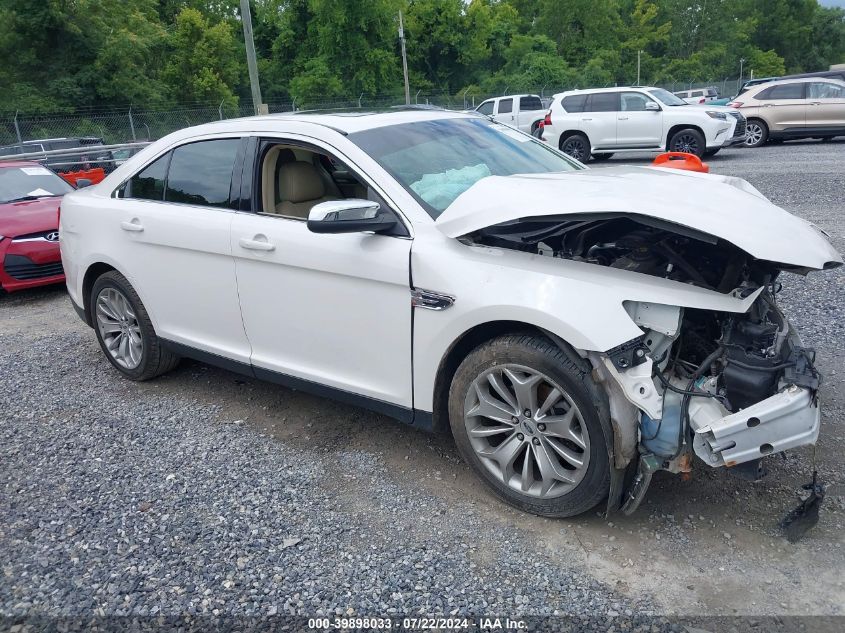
788 419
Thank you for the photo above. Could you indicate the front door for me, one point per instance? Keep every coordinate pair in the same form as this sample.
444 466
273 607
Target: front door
330 310
172 227
637 126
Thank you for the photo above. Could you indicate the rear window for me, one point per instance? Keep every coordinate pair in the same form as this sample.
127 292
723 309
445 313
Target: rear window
784 91
530 103
574 103
201 173
505 106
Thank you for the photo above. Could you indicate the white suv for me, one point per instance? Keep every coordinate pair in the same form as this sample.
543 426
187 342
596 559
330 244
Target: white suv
455 273
601 122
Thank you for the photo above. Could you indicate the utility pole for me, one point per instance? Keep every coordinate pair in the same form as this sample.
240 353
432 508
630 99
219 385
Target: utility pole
252 64
638 66
404 61
739 81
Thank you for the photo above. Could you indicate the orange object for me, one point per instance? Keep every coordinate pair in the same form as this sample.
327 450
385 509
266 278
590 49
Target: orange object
681 160
95 175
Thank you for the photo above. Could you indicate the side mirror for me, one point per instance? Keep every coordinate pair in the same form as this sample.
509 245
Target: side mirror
83 182
349 216
651 106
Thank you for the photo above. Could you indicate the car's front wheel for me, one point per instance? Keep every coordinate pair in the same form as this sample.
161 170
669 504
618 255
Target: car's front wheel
576 145
756 133
688 140
525 417
125 331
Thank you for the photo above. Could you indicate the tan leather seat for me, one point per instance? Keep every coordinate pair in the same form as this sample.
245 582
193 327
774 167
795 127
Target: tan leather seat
300 188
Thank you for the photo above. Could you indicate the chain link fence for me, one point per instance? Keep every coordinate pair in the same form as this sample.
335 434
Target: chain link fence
131 125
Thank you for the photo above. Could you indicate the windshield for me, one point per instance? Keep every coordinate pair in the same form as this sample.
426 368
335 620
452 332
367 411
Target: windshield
436 161
667 97
30 182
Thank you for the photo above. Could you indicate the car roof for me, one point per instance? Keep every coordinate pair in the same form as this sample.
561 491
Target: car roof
354 120
612 89
795 80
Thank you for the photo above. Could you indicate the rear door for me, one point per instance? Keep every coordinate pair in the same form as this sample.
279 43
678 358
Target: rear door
826 106
600 119
784 107
172 232
637 126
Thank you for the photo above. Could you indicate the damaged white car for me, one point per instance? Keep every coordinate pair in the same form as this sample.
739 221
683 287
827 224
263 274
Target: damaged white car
569 325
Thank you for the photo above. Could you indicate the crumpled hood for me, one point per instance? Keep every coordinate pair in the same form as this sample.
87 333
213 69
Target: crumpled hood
30 216
721 206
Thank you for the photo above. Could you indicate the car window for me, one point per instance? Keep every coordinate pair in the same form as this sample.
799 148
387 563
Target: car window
697 93
711 92
436 161
603 102
530 103
29 182
201 173
824 90
574 103
505 106
784 91
486 108
148 184
634 101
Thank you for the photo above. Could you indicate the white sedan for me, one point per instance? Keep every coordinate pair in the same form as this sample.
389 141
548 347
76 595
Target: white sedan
565 324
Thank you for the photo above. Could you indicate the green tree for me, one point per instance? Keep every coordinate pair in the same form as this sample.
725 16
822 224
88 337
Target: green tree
203 60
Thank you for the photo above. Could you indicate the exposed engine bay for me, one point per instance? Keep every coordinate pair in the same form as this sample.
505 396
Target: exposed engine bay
728 387
645 245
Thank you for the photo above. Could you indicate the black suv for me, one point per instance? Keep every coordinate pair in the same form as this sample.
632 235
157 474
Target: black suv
90 155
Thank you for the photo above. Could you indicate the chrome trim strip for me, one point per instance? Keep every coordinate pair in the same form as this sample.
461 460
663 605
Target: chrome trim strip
430 300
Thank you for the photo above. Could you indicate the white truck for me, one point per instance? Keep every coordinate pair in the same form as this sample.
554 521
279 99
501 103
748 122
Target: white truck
520 111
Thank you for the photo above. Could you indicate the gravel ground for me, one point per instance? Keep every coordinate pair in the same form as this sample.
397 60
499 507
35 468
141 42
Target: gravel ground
206 493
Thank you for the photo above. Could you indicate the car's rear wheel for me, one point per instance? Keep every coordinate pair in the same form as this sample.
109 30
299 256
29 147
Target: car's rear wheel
524 417
756 133
577 146
688 140
124 330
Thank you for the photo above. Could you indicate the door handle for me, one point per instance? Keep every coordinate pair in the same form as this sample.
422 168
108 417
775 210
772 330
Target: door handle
132 226
623 118
257 244
815 103
586 119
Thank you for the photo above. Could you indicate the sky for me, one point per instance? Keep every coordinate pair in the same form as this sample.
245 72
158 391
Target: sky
832 3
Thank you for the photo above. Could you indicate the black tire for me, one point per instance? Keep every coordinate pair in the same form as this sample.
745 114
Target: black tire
604 156
711 152
756 133
577 146
541 355
155 358
688 140
537 132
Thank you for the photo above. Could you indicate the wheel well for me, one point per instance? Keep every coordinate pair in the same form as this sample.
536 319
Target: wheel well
677 128
759 120
565 135
459 350
91 275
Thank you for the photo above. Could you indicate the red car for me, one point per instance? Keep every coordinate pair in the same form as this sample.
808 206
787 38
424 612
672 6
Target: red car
29 225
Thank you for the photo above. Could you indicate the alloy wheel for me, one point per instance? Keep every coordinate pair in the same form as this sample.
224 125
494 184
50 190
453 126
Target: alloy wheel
575 147
685 143
527 431
753 134
119 328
